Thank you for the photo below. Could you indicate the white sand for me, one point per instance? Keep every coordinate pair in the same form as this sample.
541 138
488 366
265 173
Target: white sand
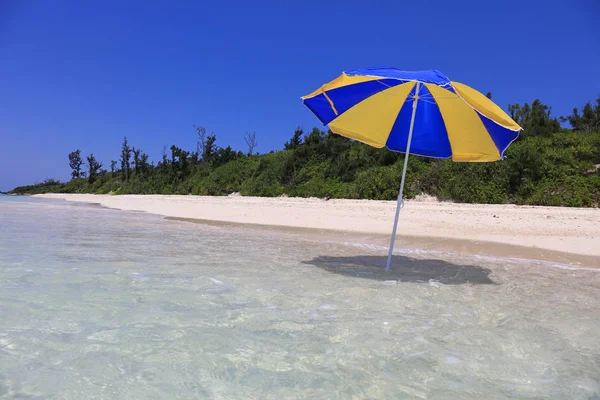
573 230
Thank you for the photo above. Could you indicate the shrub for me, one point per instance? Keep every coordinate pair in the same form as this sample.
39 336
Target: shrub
228 178
378 183
570 191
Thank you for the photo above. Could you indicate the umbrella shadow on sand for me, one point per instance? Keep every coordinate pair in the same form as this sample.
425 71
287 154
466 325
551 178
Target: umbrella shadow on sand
404 269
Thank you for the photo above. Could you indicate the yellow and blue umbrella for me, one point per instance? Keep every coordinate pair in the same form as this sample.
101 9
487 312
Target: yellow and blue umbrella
418 112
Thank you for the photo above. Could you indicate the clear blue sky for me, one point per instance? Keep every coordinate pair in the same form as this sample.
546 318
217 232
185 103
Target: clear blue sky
83 74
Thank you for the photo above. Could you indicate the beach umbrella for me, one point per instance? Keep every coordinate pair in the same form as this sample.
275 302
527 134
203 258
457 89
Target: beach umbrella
417 112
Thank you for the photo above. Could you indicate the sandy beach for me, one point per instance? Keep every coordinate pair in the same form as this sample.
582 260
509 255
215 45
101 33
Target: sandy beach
570 230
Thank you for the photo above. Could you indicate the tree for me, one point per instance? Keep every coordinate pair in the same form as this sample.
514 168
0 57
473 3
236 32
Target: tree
194 157
125 157
179 162
295 141
250 139
201 145
315 137
113 165
535 119
206 144
209 148
144 165
136 159
488 95
163 156
223 156
588 120
75 163
93 168
174 152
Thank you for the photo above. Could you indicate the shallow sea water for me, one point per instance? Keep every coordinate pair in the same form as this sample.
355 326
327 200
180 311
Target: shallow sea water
106 304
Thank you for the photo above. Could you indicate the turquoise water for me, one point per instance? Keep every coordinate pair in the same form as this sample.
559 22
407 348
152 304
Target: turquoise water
105 304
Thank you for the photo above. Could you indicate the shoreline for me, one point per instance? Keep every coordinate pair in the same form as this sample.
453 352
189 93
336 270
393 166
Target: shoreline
405 244
550 233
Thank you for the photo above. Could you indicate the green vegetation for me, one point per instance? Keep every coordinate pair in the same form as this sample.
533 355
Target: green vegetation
547 165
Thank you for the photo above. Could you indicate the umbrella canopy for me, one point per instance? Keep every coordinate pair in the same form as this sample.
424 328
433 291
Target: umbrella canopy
418 112
374 106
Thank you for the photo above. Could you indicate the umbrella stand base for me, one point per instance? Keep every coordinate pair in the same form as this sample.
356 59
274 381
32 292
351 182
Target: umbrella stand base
400 203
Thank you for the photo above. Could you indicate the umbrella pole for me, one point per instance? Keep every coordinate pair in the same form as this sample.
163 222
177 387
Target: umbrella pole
400 203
